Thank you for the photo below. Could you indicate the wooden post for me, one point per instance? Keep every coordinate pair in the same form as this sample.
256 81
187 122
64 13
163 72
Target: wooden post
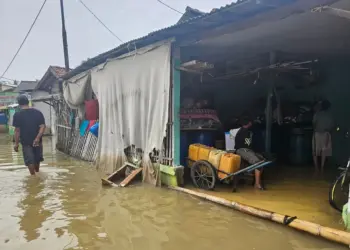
64 38
331 234
268 113
348 215
176 62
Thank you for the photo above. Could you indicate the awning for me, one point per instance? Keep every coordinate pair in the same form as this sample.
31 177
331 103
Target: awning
46 98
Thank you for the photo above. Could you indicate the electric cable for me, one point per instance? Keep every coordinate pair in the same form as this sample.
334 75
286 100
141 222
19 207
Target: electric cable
100 21
24 40
170 7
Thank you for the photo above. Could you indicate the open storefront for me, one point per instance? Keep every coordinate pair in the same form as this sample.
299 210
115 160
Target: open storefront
274 73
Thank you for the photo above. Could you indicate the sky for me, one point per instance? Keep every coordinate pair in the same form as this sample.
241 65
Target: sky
128 19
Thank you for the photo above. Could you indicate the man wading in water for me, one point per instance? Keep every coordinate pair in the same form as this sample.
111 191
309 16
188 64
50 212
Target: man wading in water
29 126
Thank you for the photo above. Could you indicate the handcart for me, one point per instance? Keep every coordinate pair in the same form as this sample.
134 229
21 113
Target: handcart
205 176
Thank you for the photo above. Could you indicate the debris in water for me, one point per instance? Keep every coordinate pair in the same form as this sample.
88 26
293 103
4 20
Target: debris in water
102 235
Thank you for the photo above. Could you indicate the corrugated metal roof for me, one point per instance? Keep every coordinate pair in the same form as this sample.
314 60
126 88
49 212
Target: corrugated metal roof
189 14
26 86
212 19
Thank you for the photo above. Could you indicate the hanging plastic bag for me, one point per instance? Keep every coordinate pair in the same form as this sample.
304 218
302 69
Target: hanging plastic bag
94 129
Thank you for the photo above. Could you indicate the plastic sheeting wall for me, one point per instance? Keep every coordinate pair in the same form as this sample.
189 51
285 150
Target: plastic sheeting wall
133 94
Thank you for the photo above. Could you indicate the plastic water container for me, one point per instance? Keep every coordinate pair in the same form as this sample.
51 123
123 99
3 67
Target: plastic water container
193 151
215 157
203 152
230 163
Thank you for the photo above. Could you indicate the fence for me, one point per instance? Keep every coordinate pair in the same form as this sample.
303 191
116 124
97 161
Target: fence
69 140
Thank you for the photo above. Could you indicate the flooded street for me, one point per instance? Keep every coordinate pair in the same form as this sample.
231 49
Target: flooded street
65 207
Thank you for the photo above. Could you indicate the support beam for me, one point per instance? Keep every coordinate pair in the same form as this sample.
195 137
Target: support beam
333 11
176 85
268 112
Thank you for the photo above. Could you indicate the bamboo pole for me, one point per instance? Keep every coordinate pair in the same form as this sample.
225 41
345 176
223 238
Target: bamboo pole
331 234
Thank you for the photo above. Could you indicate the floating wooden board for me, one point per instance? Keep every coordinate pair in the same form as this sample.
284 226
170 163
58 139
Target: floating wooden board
106 182
130 177
119 175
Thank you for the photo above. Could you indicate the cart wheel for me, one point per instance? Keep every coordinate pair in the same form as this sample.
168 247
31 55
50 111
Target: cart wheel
203 175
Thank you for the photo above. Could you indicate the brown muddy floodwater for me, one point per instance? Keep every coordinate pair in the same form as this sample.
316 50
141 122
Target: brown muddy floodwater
65 207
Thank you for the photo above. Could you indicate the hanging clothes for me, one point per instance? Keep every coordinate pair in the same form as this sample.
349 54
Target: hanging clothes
94 129
83 127
91 123
77 123
91 110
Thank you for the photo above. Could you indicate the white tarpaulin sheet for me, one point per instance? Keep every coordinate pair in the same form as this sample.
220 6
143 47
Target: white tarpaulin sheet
76 91
133 94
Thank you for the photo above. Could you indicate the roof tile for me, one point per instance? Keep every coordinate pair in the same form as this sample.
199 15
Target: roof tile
58 71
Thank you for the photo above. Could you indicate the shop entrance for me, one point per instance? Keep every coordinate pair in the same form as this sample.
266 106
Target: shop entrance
275 74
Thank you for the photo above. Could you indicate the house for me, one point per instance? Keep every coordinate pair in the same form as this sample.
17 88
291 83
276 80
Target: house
45 88
50 81
190 13
7 86
39 92
7 94
26 88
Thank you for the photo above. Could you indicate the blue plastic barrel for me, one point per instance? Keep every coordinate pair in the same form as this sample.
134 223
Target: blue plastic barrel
184 144
205 137
300 152
3 119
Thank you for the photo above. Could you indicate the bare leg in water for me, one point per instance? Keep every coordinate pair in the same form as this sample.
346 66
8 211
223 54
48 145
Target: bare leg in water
37 166
31 169
258 179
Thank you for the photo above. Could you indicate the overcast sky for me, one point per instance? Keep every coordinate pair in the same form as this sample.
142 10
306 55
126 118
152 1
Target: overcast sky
129 19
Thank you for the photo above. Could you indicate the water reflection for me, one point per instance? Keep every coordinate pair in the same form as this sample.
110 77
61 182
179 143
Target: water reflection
66 208
34 212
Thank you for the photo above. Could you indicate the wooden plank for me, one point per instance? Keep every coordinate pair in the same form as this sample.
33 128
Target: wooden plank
128 179
110 177
106 182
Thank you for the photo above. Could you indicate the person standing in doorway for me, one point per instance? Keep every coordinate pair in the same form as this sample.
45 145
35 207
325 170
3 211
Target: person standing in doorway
29 126
322 141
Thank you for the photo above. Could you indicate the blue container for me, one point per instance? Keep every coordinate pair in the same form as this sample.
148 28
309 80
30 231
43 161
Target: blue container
184 144
205 137
3 119
300 147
